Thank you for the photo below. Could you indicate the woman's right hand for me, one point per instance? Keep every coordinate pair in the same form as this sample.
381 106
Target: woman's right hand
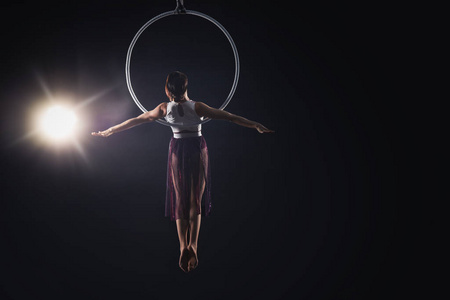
262 129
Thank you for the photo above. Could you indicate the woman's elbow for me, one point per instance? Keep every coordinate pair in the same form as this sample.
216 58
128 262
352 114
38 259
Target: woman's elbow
140 120
230 117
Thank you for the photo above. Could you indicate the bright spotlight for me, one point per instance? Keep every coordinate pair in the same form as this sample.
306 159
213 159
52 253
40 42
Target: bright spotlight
58 122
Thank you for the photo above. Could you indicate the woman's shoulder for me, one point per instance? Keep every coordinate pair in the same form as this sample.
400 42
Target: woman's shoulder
201 108
200 104
191 103
163 106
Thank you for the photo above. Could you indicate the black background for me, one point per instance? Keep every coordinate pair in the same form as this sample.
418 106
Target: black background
309 212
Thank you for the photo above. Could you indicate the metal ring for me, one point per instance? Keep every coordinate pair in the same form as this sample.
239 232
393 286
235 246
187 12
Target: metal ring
170 13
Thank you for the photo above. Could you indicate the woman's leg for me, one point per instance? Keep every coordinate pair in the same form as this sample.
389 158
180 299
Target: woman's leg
194 226
192 247
182 220
190 220
182 228
188 252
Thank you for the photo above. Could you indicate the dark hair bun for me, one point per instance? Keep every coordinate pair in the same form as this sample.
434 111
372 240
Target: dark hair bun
176 85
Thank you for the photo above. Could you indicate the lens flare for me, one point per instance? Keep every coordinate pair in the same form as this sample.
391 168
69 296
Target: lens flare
58 122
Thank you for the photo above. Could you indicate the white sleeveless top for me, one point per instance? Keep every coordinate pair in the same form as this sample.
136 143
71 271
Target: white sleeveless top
188 116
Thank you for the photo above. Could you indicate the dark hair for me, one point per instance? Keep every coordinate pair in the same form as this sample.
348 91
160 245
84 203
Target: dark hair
176 85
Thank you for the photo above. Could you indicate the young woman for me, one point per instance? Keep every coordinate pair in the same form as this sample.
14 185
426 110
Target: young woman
188 172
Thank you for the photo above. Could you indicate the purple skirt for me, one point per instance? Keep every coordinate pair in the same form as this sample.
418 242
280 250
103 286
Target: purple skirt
188 178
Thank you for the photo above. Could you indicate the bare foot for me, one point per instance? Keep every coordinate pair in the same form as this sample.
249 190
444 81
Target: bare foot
193 259
184 259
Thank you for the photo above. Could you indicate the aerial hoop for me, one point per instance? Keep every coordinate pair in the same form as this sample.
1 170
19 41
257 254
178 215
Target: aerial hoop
180 10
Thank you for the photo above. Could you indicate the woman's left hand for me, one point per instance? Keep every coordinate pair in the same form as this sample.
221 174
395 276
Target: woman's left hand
104 133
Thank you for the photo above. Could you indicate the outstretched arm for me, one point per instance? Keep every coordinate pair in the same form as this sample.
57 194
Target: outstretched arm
153 115
204 110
